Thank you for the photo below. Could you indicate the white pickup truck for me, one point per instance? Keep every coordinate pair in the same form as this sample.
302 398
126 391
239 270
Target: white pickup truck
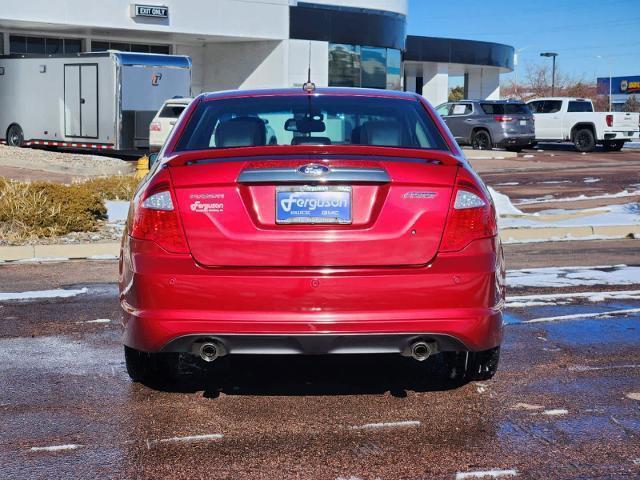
562 119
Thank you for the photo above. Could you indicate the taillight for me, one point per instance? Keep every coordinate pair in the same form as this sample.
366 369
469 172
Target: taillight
502 118
609 120
471 217
155 218
155 126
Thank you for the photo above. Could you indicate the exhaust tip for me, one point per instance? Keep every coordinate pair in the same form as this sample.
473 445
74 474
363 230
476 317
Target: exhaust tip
420 351
209 352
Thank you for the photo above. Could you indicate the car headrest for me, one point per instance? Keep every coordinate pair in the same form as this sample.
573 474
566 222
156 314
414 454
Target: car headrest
381 132
310 141
241 132
355 135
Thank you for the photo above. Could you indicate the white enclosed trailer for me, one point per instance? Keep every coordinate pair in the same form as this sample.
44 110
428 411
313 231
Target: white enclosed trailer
102 100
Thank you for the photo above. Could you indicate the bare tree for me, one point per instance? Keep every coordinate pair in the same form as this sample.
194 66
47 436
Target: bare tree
537 83
631 105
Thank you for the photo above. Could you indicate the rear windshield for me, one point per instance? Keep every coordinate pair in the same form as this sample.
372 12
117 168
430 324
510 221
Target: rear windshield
505 108
171 111
310 120
580 106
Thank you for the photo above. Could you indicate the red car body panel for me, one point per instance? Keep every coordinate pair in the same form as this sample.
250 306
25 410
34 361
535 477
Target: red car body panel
385 273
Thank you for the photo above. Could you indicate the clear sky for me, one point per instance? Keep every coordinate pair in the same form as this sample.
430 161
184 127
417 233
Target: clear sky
578 30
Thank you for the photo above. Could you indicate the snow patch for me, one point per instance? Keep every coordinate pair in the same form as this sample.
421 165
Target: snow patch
587 368
557 411
117 210
503 204
189 438
633 395
591 180
546 199
519 301
35 294
581 316
573 276
486 473
507 184
97 320
56 448
368 426
104 256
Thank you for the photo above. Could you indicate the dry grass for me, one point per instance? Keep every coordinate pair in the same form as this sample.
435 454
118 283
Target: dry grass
41 209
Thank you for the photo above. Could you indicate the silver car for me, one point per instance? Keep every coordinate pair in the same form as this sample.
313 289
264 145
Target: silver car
485 124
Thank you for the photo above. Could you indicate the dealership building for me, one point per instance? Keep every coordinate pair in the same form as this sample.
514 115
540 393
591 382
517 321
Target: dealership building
621 88
265 43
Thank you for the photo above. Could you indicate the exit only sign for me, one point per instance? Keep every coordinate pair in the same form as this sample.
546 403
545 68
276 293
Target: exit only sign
153 11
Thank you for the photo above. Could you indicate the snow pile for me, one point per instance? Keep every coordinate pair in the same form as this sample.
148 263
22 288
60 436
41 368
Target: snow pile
503 204
117 210
551 199
573 276
624 214
35 294
521 301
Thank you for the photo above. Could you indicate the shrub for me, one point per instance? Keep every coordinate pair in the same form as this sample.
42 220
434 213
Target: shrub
118 187
43 209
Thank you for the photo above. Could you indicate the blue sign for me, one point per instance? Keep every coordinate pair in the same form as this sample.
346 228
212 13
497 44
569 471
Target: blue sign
619 85
313 204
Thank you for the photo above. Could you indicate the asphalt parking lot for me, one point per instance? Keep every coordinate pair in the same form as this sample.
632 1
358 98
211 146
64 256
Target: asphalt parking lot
564 404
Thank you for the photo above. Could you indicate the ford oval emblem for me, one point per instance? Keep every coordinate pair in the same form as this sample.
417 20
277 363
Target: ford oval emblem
313 170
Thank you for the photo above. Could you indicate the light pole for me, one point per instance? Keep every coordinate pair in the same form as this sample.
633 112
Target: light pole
610 76
553 71
516 59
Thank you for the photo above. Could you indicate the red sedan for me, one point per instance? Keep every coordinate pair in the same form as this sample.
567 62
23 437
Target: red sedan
311 221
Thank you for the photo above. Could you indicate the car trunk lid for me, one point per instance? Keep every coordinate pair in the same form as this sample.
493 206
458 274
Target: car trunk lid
381 210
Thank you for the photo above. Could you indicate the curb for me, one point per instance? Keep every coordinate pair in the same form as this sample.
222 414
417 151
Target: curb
60 252
472 154
103 251
549 234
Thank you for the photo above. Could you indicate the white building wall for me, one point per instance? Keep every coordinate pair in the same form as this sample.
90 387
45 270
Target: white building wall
483 83
436 82
299 63
245 65
196 52
266 19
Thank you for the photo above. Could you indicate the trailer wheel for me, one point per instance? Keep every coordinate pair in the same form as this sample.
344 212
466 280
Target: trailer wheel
15 136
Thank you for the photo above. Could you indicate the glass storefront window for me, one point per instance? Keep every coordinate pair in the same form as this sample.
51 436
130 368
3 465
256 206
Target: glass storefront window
361 66
374 67
43 45
344 65
394 62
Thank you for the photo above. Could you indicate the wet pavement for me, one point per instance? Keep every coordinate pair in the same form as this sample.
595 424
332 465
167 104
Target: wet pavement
564 404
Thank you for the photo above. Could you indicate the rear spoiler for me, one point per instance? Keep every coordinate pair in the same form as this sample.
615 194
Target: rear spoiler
301 151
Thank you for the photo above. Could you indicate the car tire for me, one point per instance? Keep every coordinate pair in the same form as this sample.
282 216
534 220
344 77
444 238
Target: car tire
481 140
584 140
15 136
613 146
150 368
472 366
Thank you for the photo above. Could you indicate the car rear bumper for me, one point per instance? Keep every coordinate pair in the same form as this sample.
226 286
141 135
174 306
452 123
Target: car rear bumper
170 303
516 141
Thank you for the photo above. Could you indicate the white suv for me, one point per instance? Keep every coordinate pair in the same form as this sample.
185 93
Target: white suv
164 121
